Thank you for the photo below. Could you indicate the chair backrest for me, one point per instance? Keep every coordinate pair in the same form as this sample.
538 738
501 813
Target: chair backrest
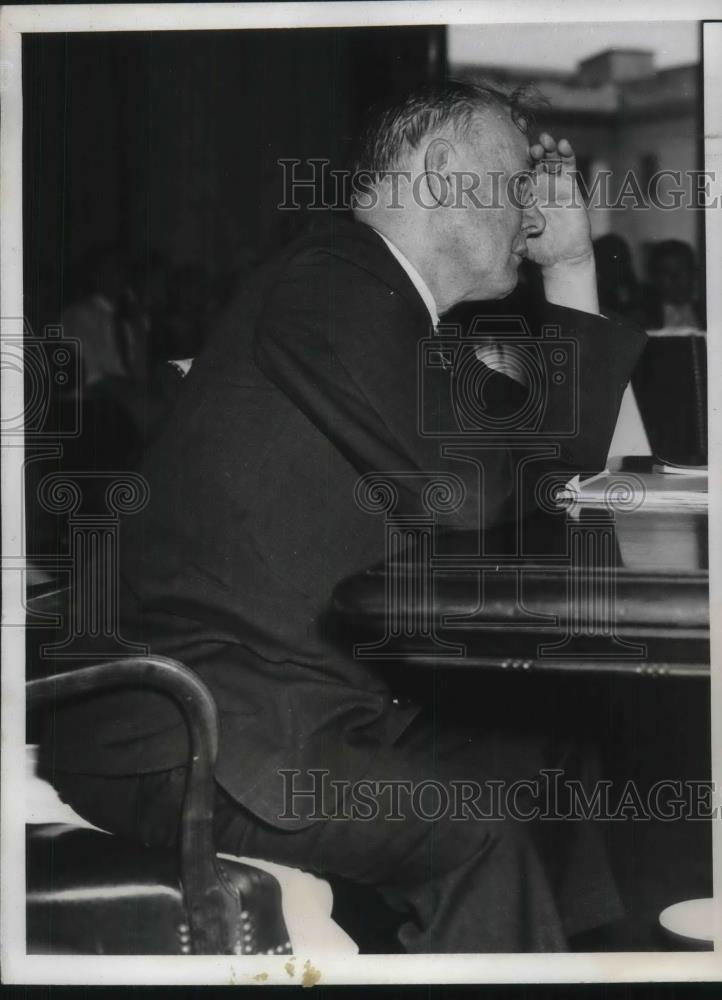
211 902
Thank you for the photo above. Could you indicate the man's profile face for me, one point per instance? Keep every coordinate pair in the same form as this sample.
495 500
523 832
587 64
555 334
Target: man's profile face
488 241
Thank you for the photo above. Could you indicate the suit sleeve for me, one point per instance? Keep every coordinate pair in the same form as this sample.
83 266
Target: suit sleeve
345 349
605 352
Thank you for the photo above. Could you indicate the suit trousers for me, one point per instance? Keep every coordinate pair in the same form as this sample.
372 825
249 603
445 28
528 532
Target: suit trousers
454 826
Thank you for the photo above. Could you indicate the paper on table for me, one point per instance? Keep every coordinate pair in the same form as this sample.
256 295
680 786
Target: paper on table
680 470
677 331
631 490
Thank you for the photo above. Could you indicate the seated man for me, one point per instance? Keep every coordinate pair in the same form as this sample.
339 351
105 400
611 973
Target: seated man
310 383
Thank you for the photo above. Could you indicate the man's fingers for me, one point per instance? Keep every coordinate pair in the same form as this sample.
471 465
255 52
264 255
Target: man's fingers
551 157
547 148
548 142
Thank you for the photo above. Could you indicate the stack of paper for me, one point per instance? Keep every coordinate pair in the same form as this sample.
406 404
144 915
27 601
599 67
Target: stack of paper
632 490
680 470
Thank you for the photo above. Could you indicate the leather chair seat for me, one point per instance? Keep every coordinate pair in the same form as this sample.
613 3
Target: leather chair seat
92 893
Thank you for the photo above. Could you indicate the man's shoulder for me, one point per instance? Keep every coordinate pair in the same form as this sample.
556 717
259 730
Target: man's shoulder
333 239
339 248
337 233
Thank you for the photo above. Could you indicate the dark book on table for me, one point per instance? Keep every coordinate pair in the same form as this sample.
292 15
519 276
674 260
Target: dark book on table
670 385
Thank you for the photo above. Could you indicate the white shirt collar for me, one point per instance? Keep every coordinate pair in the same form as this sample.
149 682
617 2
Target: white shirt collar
418 282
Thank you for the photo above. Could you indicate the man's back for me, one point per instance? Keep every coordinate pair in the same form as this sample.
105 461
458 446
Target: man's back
252 519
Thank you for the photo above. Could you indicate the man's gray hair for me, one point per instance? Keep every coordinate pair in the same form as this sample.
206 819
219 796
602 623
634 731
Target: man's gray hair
399 127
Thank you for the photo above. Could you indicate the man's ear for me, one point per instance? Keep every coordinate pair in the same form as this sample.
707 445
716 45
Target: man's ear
437 167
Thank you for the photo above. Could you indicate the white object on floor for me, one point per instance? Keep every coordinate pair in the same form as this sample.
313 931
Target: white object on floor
692 920
42 802
306 900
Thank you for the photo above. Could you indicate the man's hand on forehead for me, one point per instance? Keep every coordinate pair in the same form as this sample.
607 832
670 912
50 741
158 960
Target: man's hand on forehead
551 156
566 236
563 249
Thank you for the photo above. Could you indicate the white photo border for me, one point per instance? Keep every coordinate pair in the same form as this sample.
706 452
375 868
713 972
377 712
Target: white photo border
17 967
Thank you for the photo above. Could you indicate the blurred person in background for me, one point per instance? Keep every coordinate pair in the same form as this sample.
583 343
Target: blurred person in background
616 281
673 299
177 307
150 282
108 320
190 309
183 310
670 380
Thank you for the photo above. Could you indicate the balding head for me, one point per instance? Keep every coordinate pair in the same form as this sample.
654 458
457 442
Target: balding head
452 109
436 174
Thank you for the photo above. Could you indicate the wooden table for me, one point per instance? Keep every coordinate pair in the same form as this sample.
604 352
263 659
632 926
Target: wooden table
603 592
600 591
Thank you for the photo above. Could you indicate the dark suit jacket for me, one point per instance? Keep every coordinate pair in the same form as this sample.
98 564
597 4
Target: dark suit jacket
310 382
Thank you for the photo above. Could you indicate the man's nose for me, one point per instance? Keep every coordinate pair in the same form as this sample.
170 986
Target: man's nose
533 222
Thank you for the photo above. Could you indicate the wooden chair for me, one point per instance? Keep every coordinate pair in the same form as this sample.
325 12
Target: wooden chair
90 892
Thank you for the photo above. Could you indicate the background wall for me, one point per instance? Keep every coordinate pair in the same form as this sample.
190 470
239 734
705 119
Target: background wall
627 95
169 142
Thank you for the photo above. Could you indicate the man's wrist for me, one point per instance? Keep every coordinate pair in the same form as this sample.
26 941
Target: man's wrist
573 283
574 265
